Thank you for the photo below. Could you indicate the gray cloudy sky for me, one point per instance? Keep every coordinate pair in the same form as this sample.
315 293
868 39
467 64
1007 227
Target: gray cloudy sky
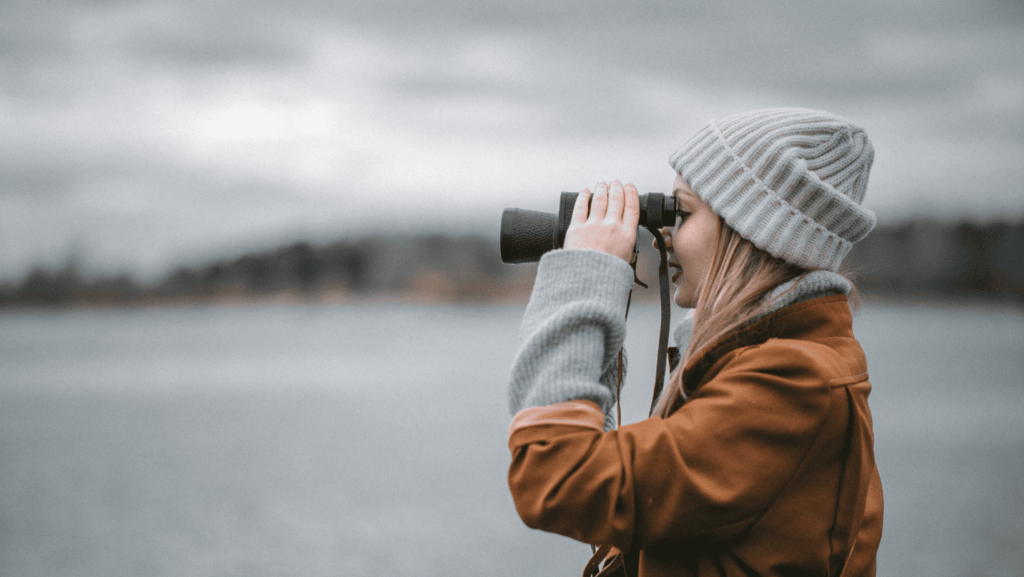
141 135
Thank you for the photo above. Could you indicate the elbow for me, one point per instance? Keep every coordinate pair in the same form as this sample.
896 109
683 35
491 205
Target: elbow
544 511
541 490
559 493
557 481
549 501
557 506
532 499
531 515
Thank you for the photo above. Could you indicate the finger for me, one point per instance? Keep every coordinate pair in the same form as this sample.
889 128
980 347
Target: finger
599 205
631 212
616 200
579 210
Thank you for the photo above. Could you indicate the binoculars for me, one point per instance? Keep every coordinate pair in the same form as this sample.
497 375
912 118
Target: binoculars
527 234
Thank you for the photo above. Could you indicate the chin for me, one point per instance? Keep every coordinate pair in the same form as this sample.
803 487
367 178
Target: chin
681 299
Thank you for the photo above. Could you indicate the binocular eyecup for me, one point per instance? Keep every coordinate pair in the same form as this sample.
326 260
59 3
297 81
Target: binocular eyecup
527 234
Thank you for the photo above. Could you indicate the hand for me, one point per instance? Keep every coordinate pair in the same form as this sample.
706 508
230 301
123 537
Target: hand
608 223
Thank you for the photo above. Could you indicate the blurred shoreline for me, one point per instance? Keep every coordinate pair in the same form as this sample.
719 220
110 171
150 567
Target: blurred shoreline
917 260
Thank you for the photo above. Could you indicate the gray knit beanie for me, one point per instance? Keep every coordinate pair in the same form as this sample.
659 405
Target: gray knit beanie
789 180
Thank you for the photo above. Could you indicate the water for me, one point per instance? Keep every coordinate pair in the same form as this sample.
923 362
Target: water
371 440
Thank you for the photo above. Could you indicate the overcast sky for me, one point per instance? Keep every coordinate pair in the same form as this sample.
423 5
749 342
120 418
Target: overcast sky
141 135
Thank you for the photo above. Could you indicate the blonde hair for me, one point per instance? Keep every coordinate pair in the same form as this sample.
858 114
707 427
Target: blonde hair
732 293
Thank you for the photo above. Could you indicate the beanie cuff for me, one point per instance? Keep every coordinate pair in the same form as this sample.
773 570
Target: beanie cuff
761 215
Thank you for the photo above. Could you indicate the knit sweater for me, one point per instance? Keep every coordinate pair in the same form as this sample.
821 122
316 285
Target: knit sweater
574 327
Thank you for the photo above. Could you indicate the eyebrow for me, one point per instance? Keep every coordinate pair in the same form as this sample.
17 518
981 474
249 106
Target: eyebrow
681 194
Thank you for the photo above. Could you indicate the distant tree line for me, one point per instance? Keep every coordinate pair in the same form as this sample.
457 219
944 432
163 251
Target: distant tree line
916 258
934 259
431 267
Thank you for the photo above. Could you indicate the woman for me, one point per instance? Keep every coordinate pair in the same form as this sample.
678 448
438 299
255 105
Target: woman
758 457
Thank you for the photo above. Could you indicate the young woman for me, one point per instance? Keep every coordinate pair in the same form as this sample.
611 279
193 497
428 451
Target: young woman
758 458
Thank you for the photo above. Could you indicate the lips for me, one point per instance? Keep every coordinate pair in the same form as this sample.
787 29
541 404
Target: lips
679 270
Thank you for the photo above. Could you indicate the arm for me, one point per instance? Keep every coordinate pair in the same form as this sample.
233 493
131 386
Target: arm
574 325
572 331
706 472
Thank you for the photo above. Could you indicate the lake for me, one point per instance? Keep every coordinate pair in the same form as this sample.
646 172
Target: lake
371 440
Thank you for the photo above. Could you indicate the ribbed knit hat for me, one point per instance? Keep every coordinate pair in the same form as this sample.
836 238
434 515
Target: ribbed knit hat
789 180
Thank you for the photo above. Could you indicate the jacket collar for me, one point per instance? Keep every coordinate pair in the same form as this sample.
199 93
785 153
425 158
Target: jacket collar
811 285
812 320
811 307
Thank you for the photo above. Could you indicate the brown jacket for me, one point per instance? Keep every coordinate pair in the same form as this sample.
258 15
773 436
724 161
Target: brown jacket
767 469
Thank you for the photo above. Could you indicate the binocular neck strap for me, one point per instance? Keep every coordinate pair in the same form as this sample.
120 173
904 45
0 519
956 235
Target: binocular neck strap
666 317
593 568
666 321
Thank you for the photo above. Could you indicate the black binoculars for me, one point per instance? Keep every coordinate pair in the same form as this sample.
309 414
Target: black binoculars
527 234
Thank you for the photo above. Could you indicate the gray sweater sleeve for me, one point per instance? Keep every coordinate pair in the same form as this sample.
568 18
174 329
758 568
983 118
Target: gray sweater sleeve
572 331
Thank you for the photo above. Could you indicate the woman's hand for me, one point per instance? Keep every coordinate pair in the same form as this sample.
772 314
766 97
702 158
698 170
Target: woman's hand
610 223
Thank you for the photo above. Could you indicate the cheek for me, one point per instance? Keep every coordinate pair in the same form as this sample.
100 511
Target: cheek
702 257
701 243
694 253
684 249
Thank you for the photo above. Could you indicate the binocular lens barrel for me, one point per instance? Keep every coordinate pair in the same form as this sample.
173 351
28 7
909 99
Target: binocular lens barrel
527 234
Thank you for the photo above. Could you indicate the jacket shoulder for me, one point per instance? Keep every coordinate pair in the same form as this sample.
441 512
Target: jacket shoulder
819 361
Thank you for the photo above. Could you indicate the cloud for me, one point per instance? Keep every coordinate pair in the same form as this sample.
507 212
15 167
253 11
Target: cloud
183 127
